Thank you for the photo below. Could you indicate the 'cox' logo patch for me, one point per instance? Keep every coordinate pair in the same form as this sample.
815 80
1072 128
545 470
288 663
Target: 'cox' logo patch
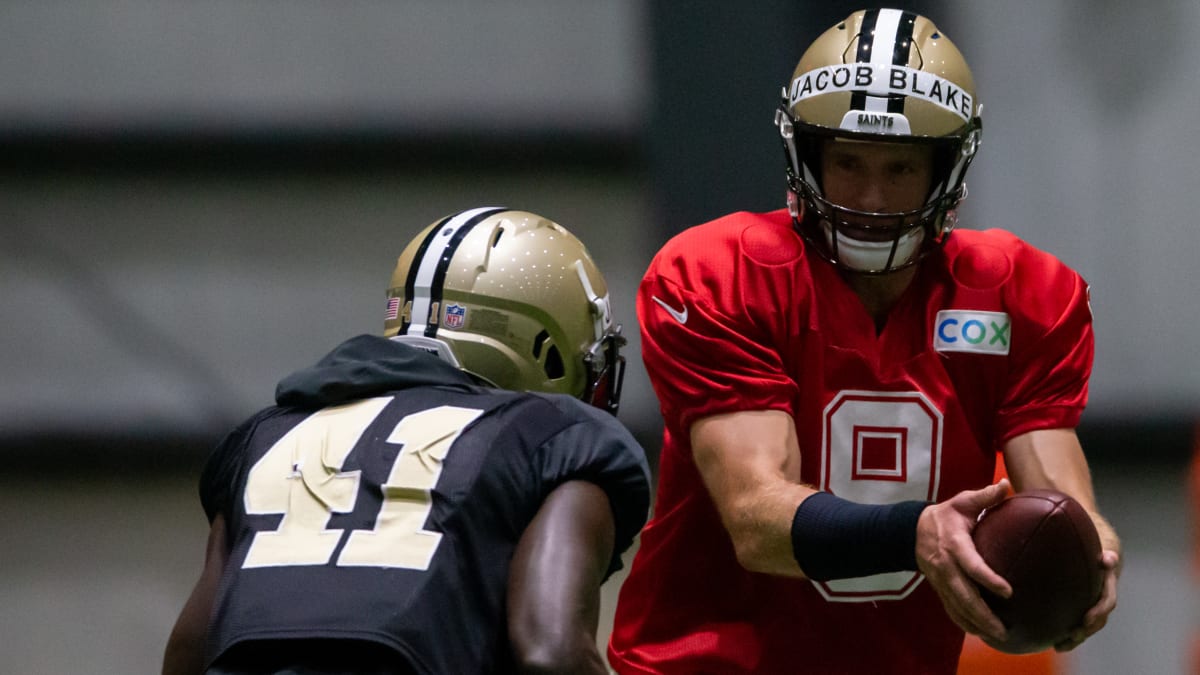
957 330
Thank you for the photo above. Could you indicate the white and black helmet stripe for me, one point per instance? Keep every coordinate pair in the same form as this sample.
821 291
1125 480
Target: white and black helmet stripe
427 275
885 40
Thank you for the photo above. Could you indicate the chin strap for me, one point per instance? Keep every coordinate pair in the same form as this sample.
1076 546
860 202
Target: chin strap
795 206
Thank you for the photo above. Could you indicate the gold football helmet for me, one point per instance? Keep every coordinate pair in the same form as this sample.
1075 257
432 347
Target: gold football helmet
880 75
512 298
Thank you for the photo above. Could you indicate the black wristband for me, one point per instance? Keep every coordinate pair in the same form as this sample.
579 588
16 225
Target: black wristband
833 538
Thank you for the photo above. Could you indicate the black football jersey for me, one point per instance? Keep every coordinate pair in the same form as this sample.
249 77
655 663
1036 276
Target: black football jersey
391 512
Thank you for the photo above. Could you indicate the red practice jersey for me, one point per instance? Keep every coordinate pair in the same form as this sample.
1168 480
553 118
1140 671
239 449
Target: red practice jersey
992 339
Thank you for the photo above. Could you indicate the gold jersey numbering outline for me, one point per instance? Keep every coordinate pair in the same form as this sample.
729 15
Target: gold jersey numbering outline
301 477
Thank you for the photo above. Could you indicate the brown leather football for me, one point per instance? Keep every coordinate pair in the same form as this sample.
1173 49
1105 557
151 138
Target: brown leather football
1045 544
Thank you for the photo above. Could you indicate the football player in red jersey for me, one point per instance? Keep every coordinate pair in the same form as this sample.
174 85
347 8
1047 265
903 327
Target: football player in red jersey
439 499
836 379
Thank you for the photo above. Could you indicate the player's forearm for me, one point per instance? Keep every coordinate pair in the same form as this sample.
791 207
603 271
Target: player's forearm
1054 459
557 639
554 582
582 657
184 654
759 523
1109 540
822 536
750 464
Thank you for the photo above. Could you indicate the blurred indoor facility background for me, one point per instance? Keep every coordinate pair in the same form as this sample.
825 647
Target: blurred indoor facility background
198 198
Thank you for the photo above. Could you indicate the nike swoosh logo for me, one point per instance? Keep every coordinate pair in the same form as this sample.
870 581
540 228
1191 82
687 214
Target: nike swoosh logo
678 315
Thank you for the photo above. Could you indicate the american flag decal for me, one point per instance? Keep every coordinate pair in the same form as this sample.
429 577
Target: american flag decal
393 308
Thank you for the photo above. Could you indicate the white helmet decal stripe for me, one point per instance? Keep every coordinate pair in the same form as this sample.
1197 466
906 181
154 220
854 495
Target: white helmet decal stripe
886 26
430 271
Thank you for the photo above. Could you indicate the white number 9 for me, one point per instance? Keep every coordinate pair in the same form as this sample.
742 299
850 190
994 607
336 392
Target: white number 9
879 448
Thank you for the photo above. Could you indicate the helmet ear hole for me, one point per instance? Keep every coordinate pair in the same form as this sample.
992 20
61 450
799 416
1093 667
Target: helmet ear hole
554 363
538 341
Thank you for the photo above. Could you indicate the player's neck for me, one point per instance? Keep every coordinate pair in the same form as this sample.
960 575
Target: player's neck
880 293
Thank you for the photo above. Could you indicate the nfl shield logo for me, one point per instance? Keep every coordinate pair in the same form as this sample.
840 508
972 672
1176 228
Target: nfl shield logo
455 316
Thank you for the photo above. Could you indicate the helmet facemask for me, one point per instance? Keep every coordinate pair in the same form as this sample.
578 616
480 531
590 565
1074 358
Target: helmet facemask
605 372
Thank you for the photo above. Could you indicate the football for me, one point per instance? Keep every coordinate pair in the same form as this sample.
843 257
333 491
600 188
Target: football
1045 545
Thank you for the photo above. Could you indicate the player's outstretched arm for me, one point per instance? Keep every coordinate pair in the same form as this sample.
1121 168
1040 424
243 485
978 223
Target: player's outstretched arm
185 648
1053 459
750 463
554 583
946 555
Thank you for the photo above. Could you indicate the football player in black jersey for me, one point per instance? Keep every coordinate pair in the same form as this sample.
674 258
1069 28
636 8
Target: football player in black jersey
442 499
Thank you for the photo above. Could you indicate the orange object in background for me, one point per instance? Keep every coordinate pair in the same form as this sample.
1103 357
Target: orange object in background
979 659
1194 499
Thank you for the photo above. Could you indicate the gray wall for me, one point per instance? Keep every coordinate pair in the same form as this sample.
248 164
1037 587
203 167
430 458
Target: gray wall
169 304
149 300
236 65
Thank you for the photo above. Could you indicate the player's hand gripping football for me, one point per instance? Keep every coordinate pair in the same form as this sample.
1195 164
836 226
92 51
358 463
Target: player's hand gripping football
1097 616
947 557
